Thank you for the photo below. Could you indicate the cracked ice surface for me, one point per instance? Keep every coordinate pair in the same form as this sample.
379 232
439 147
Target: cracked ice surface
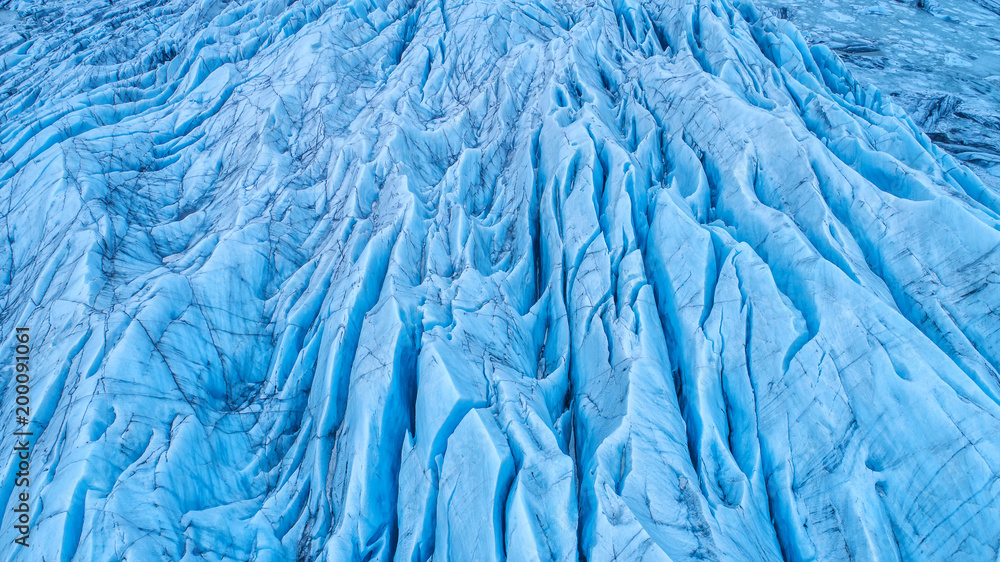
413 280
940 61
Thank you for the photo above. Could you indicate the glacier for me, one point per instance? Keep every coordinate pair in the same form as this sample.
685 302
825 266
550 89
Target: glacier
420 280
939 61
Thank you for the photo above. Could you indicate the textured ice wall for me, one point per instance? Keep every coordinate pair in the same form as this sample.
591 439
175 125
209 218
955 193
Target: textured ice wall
387 280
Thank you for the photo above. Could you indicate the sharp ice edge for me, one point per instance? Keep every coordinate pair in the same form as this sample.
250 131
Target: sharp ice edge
394 280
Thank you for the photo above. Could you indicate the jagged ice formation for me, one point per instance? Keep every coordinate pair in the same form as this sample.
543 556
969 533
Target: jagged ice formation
411 280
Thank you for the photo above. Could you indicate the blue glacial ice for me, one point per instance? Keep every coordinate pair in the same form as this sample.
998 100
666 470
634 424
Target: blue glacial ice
414 280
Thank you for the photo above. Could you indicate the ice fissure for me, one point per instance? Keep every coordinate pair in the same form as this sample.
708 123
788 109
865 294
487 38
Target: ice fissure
425 280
